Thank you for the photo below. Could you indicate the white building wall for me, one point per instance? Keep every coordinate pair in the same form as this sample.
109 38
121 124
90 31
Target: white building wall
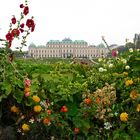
63 50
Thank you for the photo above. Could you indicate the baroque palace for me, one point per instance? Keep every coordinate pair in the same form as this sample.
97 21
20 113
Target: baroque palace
67 48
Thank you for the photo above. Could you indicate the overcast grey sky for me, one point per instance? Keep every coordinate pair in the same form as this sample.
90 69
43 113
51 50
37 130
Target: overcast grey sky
78 19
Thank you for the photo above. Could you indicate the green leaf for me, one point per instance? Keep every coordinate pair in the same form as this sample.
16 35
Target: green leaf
84 126
116 136
18 95
20 83
72 109
91 138
29 102
34 88
3 97
8 89
136 136
71 98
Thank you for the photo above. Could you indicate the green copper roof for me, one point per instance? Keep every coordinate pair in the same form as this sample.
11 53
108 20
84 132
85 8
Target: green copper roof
53 42
32 45
101 45
66 41
80 42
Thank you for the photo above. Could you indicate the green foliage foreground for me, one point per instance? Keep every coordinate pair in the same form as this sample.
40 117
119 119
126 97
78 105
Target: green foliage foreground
66 101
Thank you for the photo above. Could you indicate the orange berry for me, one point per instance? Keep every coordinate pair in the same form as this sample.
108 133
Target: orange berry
76 130
46 121
87 101
64 109
49 111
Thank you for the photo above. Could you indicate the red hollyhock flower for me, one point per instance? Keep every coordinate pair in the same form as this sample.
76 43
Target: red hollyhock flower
22 25
26 10
21 5
9 44
13 20
15 32
21 30
9 36
33 28
30 24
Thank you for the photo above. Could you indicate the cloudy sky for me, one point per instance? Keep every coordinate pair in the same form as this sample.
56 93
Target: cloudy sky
78 19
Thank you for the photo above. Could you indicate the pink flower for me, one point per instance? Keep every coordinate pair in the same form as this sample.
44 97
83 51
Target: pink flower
26 94
27 82
114 53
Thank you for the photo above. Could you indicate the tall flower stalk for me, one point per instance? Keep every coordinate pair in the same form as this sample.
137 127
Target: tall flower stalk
18 29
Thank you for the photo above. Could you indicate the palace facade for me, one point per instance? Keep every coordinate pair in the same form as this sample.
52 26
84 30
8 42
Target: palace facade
67 48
